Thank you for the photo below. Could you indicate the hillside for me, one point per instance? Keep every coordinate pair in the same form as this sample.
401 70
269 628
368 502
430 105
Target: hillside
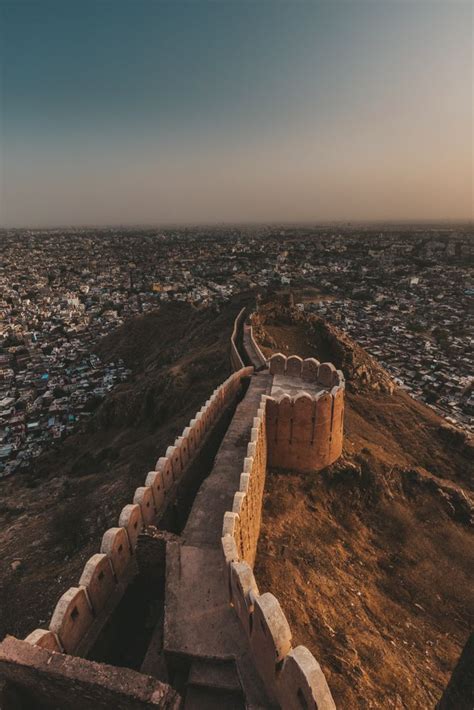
52 519
372 559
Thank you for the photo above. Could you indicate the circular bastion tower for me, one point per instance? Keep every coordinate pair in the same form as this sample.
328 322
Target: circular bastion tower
304 414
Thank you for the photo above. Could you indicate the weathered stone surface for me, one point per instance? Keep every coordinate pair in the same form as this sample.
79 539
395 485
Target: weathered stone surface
44 638
243 592
301 683
145 499
174 455
270 639
229 549
326 374
116 546
131 519
72 618
294 366
98 578
154 479
309 369
56 680
277 364
164 466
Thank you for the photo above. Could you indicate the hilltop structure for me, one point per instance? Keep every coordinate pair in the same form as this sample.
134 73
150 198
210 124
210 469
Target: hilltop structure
220 642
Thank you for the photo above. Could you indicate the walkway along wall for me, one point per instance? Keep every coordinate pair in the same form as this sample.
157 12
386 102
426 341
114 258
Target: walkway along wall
292 677
74 623
235 356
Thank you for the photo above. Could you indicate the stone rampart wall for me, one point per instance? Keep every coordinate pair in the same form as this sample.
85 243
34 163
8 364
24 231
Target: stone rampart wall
252 349
243 521
292 676
108 571
305 432
235 357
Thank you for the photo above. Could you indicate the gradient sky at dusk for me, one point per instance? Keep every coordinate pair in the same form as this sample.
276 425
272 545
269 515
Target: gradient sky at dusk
141 111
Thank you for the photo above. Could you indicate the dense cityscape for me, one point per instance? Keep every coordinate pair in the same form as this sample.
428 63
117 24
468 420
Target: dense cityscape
403 293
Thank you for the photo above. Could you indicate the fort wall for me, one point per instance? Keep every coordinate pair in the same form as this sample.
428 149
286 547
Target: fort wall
235 356
292 677
305 431
298 428
79 614
252 349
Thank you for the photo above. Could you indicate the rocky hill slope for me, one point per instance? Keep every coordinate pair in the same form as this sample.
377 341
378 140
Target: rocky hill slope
52 519
372 559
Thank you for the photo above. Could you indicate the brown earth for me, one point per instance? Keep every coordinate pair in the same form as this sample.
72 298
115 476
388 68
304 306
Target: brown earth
372 558
53 518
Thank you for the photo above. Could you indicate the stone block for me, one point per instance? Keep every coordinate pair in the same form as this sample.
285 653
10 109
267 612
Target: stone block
251 449
229 549
284 422
190 435
239 498
98 578
44 638
301 683
58 680
145 499
309 369
165 467
277 364
294 366
244 482
174 455
154 480
72 618
131 519
248 464
116 546
303 425
326 374
231 524
323 417
183 445
243 592
270 639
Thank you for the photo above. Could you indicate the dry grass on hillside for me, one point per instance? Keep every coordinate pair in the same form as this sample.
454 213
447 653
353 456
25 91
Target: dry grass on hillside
372 558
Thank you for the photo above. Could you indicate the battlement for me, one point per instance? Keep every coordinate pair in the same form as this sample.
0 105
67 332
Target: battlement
292 676
82 611
304 414
291 418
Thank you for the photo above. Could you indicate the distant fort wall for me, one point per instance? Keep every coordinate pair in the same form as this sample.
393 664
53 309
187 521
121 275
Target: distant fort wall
80 613
235 356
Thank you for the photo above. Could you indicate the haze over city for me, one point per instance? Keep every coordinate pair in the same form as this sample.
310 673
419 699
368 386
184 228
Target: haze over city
177 112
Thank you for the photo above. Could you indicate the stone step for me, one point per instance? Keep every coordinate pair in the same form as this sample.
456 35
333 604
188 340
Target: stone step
198 698
209 674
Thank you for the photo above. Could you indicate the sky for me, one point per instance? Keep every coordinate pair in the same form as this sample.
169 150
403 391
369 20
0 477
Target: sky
153 112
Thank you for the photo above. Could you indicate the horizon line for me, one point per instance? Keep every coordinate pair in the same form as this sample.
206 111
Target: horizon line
465 221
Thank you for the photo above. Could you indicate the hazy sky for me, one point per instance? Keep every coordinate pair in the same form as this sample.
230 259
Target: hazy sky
141 111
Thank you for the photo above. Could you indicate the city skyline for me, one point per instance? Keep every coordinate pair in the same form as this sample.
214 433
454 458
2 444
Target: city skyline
158 113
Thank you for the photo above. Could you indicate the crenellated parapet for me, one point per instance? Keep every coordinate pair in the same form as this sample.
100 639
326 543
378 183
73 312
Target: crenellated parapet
305 414
292 677
80 611
235 357
291 418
